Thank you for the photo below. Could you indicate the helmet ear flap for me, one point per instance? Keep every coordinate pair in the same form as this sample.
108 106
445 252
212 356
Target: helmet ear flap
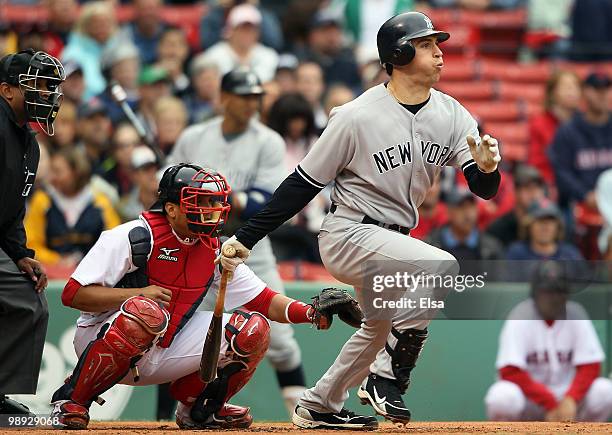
403 53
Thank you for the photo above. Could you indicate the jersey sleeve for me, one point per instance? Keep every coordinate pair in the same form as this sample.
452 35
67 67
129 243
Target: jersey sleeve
243 288
109 259
465 125
587 348
512 345
331 152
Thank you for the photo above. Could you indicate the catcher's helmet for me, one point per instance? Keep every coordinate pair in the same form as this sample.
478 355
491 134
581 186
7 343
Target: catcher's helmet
202 195
395 37
27 70
242 81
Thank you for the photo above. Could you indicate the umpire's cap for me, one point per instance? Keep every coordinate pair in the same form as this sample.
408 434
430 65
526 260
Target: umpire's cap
242 81
395 35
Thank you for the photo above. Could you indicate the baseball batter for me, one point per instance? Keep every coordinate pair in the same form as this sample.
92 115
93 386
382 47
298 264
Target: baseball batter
549 358
383 151
138 289
251 157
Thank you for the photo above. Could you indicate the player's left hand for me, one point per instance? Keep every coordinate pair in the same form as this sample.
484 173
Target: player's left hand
335 301
35 271
230 263
486 155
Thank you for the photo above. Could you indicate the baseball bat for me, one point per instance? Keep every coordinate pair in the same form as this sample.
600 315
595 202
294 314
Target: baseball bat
120 97
212 343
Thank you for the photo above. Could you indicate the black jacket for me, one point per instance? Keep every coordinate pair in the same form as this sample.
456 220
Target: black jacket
19 155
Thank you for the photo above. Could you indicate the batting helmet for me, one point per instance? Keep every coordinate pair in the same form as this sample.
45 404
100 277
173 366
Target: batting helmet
395 37
202 195
241 81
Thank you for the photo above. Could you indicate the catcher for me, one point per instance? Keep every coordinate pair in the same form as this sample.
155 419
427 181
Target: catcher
138 289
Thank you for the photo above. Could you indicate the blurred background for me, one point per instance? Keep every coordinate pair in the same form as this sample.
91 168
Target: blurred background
535 73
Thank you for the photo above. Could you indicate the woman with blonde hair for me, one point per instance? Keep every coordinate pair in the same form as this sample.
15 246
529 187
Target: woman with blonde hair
170 117
95 30
65 219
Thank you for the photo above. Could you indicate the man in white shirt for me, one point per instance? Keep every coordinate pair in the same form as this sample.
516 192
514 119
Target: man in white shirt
241 46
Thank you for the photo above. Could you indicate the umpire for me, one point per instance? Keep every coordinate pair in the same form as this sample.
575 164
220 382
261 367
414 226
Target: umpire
30 90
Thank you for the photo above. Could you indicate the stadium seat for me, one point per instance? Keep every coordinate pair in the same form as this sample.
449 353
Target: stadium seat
531 93
513 19
514 152
511 132
515 72
495 111
458 70
468 90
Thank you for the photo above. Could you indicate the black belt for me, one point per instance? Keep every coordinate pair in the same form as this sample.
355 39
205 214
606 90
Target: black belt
368 220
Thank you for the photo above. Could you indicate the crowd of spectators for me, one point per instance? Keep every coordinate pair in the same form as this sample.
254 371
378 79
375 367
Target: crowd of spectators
311 56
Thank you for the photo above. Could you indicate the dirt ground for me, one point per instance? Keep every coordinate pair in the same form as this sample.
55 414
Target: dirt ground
144 427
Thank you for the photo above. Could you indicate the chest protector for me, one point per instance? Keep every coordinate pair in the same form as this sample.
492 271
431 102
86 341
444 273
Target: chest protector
186 270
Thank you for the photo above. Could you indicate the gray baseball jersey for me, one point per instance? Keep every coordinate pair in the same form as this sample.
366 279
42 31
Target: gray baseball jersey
252 160
383 158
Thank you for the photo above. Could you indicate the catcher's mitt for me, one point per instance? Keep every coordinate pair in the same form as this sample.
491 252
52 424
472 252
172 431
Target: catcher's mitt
335 301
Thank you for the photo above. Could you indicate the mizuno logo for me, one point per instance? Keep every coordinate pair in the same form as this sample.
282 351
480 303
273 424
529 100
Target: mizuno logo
167 254
251 330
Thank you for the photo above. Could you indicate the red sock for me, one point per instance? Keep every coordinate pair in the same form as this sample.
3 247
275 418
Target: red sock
299 312
187 389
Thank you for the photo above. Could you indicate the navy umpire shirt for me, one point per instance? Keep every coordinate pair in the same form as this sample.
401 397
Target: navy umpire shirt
19 155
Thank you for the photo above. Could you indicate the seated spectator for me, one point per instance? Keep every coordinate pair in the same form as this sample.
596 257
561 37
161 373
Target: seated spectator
172 53
214 22
549 358
542 234
154 84
529 188
591 33
146 28
461 236
94 131
144 167
66 218
120 64
311 85
561 102
582 148
548 27
203 101
95 29
337 95
286 73
117 169
74 85
170 118
61 16
240 47
326 48
432 213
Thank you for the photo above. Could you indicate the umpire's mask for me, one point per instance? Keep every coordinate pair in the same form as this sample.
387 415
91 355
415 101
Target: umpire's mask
41 89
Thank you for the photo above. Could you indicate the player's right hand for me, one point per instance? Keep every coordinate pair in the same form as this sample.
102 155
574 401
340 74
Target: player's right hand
230 263
157 293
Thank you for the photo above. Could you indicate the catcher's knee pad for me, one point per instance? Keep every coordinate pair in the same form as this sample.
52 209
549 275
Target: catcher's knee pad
405 353
248 336
108 358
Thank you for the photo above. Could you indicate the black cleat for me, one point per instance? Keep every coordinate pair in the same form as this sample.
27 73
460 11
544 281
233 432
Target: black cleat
10 406
385 397
307 419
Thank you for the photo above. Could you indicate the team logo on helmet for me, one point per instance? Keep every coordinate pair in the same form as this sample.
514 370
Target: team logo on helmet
428 22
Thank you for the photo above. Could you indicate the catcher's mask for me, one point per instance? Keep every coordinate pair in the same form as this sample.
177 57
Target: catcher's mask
39 76
202 194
